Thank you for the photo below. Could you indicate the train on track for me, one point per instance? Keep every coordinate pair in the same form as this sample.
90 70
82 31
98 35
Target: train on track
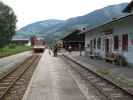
38 44
38 49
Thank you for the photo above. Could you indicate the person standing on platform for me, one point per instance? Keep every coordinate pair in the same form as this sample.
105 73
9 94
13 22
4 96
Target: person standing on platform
55 50
49 50
80 50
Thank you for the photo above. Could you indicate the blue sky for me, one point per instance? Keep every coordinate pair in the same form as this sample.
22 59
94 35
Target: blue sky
29 11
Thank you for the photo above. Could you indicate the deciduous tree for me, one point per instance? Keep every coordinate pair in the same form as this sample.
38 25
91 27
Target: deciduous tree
7 24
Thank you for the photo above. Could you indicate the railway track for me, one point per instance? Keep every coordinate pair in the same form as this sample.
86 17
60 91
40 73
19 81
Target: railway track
109 90
9 80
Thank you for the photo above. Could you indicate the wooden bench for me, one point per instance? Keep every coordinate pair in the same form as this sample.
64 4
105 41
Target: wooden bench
112 58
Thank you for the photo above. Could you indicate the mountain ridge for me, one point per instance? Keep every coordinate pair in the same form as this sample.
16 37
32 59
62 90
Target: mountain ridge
54 29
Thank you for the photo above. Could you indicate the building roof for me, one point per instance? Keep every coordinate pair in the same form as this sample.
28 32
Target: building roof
108 23
71 33
129 7
22 39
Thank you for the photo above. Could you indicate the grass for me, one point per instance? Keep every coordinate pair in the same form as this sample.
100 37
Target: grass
103 71
13 49
125 79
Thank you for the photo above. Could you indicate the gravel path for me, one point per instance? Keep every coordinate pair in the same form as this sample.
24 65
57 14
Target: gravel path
8 62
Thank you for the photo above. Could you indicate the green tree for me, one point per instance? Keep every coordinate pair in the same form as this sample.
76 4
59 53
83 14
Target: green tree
7 24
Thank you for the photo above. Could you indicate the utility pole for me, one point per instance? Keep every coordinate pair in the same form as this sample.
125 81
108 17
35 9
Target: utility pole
80 49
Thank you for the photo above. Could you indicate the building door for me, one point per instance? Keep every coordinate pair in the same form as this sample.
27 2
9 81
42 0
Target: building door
125 42
106 46
91 47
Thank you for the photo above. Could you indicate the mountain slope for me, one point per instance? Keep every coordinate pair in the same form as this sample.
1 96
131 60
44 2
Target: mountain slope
37 27
54 29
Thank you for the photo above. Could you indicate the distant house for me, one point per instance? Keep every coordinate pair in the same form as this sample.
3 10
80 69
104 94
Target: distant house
20 41
113 37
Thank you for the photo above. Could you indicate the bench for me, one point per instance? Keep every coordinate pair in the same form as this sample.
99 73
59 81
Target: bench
112 58
94 55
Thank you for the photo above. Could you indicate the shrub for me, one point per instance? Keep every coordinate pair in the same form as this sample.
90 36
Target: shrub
103 71
12 46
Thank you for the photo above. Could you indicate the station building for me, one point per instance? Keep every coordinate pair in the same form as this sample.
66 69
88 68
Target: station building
75 40
112 38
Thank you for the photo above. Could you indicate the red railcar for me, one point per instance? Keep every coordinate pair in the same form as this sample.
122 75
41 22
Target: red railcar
38 44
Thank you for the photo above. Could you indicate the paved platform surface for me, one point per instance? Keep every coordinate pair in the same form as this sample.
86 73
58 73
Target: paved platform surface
121 75
7 62
51 81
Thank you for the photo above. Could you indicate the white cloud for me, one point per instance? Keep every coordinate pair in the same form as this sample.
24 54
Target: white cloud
29 11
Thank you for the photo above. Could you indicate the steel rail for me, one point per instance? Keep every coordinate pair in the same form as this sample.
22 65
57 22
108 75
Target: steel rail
23 67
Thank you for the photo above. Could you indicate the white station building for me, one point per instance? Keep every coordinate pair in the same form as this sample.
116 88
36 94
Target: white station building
113 37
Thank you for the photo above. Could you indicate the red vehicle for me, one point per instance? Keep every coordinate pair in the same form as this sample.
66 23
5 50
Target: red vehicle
38 44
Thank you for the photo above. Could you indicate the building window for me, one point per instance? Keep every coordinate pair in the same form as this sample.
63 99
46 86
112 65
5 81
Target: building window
91 44
125 42
116 42
99 43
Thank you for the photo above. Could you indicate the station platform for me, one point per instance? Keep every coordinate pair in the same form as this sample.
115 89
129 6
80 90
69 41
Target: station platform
52 81
122 76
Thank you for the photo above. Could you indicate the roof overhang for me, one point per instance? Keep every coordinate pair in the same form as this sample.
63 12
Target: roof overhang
129 7
107 25
20 39
76 32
